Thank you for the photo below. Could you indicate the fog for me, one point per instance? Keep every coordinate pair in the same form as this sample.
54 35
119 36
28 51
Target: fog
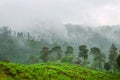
48 17
58 22
24 14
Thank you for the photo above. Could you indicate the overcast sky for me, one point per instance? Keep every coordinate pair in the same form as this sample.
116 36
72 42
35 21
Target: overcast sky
23 13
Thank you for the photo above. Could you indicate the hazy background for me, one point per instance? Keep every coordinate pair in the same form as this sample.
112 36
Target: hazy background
73 22
48 17
32 14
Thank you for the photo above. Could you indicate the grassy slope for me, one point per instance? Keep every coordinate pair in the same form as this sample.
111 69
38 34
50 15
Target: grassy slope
51 71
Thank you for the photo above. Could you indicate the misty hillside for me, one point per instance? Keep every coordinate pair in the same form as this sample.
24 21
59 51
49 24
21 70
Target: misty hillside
60 39
79 34
101 37
22 45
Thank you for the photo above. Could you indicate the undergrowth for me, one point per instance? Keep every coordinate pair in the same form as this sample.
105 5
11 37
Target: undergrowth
52 71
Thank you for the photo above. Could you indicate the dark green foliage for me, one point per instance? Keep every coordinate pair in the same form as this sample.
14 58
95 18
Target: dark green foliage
112 56
16 47
58 51
83 51
95 51
99 58
44 54
69 50
68 57
112 53
118 62
107 66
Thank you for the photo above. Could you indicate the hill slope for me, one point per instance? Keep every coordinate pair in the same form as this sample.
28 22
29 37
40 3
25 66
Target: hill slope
51 71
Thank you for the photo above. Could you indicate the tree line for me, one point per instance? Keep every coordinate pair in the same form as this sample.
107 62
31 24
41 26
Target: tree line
100 60
19 47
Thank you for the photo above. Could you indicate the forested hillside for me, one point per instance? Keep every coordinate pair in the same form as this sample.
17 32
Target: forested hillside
84 45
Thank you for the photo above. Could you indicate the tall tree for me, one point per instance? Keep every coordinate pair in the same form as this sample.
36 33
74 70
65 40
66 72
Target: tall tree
118 62
44 54
99 58
112 56
69 50
83 53
58 51
68 57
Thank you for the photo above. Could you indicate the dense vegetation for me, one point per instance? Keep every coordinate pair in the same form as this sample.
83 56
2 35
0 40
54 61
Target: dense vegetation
52 71
20 47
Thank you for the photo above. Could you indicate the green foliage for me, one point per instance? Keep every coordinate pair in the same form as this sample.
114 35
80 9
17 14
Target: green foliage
52 71
107 66
118 62
69 50
95 51
67 58
58 51
113 56
83 51
99 58
44 54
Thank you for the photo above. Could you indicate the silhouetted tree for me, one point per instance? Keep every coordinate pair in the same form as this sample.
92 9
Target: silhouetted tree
44 54
83 51
112 56
95 51
107 66
118 62
99 58
69 50
58 51
68 57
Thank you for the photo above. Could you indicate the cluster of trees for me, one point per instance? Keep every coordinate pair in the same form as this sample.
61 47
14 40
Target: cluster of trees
100 60
18 46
